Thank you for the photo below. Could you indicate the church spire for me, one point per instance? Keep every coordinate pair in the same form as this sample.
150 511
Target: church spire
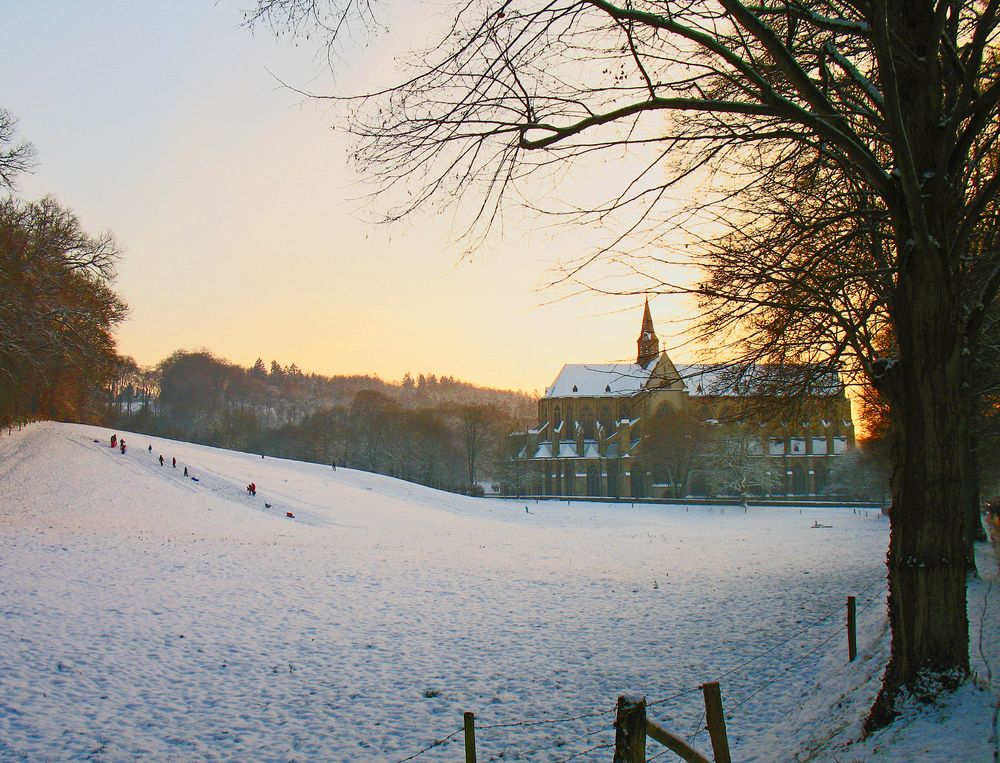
649 345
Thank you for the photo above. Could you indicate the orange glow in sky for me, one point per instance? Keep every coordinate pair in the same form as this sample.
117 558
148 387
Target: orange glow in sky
238 211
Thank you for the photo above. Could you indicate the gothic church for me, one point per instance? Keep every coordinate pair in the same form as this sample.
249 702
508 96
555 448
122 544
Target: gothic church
594 423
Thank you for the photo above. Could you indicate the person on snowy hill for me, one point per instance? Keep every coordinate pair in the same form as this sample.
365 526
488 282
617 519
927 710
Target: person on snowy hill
253 488
185 471
121 446
161 459
114 440
150 448
173 462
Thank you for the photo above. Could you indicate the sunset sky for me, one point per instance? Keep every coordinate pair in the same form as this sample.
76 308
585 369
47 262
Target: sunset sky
237 210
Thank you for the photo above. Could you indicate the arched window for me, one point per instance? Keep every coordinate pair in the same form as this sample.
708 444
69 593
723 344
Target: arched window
557 416
606 419
613 479
638 480
593 481
799 485
820 475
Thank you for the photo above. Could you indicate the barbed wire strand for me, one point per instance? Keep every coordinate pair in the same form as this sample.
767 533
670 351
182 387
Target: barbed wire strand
586 735
878 596
700 726
576 755
698 729
782 672
794 635
432 745
543 721
672 697
589 734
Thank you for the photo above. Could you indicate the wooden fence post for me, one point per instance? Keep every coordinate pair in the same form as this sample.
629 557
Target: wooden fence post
852 629
630 730
716 721
470 738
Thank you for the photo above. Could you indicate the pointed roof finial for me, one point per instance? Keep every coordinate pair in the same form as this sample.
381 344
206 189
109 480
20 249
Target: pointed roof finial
647 319
648 344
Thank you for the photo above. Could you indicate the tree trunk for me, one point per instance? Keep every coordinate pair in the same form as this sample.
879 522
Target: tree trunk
973 521
977 533
933 482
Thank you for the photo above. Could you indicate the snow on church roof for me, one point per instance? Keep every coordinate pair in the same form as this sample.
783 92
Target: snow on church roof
700 380
736 381
599 380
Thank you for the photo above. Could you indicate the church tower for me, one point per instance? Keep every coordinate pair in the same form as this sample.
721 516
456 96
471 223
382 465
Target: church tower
649 345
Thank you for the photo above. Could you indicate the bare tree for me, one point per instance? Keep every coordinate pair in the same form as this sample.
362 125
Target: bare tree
862 473
674 445
476 424
16 157
736 465
890 105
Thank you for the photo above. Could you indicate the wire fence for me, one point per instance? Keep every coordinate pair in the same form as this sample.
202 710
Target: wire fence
834 633
581 742
432 745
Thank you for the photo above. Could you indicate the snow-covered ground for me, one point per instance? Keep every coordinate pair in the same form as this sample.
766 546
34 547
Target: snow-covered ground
145 615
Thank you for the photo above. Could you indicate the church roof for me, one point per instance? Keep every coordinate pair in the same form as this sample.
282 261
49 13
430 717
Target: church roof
740 381
700 380
599 380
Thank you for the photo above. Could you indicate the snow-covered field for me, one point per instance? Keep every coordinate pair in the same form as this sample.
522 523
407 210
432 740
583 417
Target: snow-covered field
148 616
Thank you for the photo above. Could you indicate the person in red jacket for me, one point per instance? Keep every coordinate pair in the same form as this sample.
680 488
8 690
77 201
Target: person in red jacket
114 440
121 446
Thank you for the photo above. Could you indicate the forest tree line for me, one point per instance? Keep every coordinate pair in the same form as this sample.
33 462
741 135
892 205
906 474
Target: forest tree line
437 431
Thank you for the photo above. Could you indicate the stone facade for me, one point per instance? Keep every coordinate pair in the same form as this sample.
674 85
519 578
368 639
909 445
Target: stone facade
595 423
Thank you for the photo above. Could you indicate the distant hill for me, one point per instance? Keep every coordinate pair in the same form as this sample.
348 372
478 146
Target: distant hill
418 429
200 381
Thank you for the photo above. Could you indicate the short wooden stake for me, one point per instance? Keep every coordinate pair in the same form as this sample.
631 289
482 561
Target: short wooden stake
852 629
630 730
716 720
470 738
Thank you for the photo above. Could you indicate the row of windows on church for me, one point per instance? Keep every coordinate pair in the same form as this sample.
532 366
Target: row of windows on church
566 480
608 421
587 413
588 421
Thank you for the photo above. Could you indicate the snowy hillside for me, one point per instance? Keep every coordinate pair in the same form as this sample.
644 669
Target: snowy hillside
148 615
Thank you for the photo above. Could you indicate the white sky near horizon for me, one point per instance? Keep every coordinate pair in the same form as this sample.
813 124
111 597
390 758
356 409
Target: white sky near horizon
237 210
